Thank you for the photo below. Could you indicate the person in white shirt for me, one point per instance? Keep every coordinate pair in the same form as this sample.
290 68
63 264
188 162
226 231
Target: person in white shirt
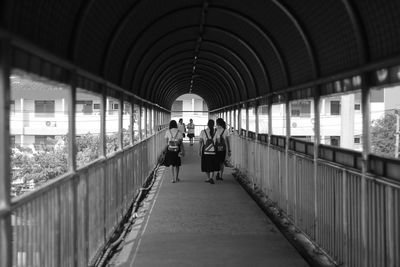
181 127
223 146
207 152
190 130
175 150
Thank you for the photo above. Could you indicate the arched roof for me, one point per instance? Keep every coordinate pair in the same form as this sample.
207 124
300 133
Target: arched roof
226 51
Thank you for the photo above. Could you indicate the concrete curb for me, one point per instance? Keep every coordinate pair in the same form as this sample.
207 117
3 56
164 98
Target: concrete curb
312 253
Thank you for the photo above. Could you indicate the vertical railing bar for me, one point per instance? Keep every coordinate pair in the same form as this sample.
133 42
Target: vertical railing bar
269 103
86 222
72 122
239 119
145 120
103 109
256 146
103 153
57 224
247 120
72 155
287 107
390 233
5 174
365 109
131 121
139 120
120 124
317 141
235 119
345 220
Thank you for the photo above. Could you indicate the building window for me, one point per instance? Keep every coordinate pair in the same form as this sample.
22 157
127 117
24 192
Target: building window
377 96
44 108
12 140
12 107
295 113
335 140
357 140
96 106
357 107
301 109
84 107
335 107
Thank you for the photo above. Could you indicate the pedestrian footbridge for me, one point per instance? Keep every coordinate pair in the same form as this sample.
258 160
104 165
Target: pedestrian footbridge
310 92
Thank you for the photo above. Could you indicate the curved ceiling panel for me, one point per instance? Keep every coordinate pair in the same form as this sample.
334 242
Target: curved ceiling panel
226 51
206 59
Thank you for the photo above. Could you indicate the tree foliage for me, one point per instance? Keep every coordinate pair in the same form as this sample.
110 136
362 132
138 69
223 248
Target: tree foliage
383 136
51 160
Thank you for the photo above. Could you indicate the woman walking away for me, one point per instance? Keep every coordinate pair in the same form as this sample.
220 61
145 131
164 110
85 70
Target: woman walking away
222 146
182 128
207 152
175 150
190 129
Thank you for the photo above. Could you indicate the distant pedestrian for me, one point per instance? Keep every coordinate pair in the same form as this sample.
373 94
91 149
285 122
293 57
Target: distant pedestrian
190 130
175 150
223 146
181 127
207 152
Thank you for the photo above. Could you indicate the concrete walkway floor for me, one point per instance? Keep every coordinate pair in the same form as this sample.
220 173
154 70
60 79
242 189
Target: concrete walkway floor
193 223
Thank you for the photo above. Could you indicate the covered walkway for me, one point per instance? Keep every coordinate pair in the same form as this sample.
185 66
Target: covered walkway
309 89
193 223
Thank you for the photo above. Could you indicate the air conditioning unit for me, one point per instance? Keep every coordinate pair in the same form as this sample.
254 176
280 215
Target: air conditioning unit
51 124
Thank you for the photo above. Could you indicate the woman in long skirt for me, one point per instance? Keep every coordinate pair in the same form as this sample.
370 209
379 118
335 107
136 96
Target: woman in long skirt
207 152
222 145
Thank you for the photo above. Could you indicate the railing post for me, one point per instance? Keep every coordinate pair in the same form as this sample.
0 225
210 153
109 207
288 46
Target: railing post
72 164
235 115
5 174
139 119
317 140
72 123
365 109
345 220
103 109
287 107
257 147
145 120
390 233
120 123
131 123
269 103
247 120
239 119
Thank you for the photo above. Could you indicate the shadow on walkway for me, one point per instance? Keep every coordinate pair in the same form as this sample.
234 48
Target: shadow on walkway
193 223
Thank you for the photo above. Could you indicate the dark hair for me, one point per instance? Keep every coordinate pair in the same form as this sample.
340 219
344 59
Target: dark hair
173 124
210 125
180 120
221 122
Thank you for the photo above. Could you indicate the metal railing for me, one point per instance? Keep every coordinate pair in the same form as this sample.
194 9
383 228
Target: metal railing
68 221
324 199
